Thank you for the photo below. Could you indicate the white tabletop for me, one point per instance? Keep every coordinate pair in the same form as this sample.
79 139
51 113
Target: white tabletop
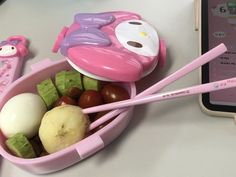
168 139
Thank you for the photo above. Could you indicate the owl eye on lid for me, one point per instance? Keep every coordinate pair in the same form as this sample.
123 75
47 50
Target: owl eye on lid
138 37
135 44
135 23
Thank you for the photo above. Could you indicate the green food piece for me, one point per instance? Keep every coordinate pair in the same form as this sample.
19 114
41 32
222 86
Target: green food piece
68 79
91 84
48 92
20 146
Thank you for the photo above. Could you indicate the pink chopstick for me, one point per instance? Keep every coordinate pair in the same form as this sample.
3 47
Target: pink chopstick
202 88
203 59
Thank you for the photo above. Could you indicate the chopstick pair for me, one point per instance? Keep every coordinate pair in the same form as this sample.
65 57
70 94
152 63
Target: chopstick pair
148 95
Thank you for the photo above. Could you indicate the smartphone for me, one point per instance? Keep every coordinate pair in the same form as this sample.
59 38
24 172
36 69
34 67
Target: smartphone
218 25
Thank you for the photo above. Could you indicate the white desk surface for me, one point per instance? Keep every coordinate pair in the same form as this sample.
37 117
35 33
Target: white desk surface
168 139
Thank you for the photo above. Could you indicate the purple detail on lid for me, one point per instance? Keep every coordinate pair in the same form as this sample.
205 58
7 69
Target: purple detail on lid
13 42
94 20
89 36
3 43
89 32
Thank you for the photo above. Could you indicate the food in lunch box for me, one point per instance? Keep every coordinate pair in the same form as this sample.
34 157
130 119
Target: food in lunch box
22 114
62 126
37 146
74 92
65 100
90 98
64 123
112 93
65 80
20 146
91 84
48 92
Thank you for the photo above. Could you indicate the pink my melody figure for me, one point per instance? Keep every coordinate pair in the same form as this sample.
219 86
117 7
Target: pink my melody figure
12 53
111 46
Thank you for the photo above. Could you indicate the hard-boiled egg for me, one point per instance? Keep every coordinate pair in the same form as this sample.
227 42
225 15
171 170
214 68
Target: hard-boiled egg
22 114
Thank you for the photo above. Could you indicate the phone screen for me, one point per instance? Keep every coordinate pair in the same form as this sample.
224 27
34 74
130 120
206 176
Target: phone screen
221 28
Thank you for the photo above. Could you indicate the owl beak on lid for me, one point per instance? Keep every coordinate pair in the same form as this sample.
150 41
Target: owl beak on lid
143 33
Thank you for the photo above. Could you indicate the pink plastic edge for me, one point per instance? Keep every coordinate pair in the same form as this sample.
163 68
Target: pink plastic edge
162 54
60 37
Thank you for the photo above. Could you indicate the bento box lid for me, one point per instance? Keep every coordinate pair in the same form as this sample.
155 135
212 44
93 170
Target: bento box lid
111 46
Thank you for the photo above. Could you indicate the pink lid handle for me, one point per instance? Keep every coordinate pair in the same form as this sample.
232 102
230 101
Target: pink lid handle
12 54
59 39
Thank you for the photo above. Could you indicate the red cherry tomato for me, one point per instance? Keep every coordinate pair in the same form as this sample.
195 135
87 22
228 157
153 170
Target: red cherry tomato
112 93
90 98
101 126
96 116
65 100
74 92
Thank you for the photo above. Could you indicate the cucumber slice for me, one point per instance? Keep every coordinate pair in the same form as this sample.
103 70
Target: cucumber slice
67 79
48 92
20 146
91 84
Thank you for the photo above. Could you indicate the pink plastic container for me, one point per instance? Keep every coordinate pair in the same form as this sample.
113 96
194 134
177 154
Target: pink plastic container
75 153
112 46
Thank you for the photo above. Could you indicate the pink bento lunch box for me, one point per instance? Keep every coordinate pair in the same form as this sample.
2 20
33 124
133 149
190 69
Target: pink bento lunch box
97 45
74 153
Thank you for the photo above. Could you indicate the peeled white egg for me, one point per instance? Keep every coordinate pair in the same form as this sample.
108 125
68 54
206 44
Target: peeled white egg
22 114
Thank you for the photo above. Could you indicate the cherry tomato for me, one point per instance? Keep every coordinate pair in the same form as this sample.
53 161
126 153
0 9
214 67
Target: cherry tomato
101 126
37 145
112 93
65 100
74 92
96 116
90 98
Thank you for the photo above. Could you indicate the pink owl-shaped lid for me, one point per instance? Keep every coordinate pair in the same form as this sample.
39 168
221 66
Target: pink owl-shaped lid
112 46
